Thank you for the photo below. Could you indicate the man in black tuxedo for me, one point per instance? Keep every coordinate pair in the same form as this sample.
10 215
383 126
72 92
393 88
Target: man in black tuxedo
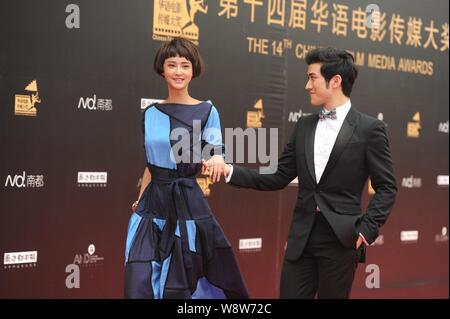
333 153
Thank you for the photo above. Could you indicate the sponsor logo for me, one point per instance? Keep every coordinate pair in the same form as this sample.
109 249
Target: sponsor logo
411 182
204 183
250 244
94 104
414 126
443 127
176 18
254 118
83 260
25 180
442 180
147 102
22 259
295 116
88 258
409 236
25 105
92 179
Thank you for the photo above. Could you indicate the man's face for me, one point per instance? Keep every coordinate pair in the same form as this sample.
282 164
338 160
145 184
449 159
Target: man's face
319 92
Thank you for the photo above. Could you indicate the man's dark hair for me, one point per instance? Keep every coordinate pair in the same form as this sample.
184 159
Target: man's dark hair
182 48
335 61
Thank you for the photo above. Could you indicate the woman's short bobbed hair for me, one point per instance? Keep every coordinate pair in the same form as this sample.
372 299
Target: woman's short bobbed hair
179 47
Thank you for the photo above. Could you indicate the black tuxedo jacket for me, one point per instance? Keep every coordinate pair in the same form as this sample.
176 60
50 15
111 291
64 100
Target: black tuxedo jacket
361 150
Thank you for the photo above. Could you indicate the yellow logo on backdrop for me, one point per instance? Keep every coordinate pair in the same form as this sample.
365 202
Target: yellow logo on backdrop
204 183
176 18
254 117
414 126
25 104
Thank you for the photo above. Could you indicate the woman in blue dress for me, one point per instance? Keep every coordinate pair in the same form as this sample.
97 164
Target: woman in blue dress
175 248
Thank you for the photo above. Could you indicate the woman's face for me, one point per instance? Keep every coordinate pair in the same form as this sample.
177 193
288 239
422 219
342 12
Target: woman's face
177 72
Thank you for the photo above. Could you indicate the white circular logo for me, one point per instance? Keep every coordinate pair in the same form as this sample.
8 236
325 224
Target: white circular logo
91 249
444 231
380 116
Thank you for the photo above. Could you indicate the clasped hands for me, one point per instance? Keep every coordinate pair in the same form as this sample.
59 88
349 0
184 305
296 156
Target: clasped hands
215 167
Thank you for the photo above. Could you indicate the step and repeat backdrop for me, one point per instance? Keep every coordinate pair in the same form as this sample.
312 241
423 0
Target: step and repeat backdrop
75 77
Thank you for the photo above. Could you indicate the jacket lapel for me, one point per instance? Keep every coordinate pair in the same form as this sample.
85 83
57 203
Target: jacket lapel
309 146
346 132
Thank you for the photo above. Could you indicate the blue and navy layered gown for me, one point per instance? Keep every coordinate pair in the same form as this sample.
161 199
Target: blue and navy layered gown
175 247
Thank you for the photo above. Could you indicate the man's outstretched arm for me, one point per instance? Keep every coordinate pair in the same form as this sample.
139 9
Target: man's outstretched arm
251 178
